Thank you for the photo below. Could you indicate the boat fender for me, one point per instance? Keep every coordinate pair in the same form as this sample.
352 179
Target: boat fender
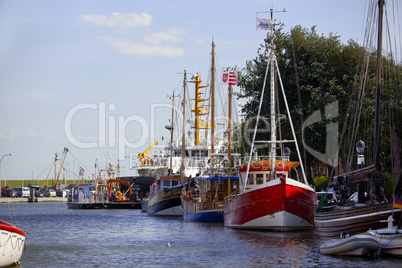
202 163
345 235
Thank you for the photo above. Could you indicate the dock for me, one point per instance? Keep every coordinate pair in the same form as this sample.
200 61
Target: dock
27 200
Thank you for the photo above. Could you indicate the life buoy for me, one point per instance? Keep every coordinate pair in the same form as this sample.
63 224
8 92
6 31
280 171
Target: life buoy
119 195
202 163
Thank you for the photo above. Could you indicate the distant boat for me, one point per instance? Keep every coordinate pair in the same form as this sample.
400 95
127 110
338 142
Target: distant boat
357 245
104 195
12 244
389 238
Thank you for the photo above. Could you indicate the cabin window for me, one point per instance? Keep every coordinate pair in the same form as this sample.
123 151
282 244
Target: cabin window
214 185
166 183
80 190
250 179
204 185
235 184
175 182
259 179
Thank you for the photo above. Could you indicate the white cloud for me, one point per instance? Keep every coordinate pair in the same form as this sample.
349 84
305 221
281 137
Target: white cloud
173 35
118 20
129 47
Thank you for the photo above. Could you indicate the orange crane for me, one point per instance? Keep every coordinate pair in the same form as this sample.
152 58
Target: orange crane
109 182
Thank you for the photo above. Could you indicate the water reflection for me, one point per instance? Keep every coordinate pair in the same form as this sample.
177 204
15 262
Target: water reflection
59 237
278 248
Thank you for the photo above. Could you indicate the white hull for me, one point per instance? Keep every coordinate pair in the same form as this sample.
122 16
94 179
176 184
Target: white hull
275 221
390 240
358 245
11 247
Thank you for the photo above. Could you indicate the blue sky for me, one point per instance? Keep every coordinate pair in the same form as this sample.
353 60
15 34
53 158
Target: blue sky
57 55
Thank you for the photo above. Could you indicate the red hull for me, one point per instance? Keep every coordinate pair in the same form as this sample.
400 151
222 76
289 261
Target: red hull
278 205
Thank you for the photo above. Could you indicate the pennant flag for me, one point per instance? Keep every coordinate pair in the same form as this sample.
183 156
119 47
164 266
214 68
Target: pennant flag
232 79
81 171
264 24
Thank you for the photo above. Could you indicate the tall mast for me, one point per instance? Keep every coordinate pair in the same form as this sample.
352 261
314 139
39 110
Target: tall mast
171 136
183 137
229 136
213 105
378 87
273 118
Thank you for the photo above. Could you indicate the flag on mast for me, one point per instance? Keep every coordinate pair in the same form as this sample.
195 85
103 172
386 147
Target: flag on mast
229 78
264 24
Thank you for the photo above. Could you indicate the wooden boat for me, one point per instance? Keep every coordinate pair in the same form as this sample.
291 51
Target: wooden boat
268 198
164 197
371 211
351 219
389 238
204 198
12 244
206 201
357 245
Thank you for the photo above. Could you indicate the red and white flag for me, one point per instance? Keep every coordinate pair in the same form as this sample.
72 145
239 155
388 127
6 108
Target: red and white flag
229 78
232 79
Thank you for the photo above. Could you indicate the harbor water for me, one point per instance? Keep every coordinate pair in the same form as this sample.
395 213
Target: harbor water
62 237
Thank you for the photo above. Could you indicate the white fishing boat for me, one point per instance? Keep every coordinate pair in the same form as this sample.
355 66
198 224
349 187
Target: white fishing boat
357 245
12 244
389 238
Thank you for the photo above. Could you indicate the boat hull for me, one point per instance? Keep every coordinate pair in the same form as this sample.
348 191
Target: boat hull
12 244
144 205
203 216
390 240
165 203
279 205
359 245
355 220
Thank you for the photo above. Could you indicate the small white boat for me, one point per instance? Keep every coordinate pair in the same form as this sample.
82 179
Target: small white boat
12 244
389 238
357 245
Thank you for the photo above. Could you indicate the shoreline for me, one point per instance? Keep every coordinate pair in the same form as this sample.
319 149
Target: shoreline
28 200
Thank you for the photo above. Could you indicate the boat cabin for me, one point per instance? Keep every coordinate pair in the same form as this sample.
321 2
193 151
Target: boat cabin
260 172
81 194
217 187
164 182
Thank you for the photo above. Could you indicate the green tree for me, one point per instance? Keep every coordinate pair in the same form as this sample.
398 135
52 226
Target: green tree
316 70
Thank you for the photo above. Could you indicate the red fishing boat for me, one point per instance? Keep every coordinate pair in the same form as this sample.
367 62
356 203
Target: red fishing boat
269 199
